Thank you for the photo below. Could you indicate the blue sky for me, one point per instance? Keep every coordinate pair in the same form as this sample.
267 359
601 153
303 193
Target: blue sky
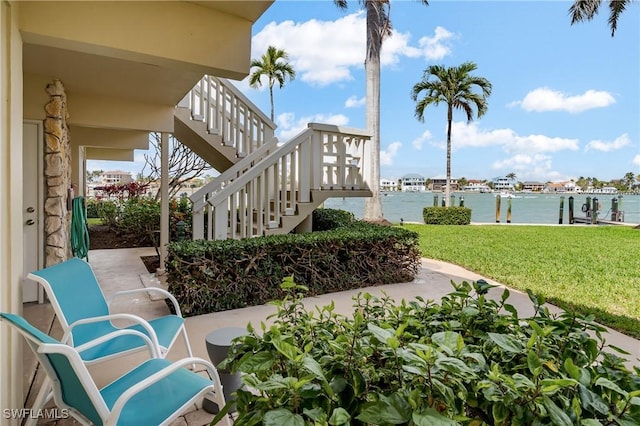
565 101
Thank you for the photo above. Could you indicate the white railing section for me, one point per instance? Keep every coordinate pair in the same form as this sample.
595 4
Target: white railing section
322 157
229 113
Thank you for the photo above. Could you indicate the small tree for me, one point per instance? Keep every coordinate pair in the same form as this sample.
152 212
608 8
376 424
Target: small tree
184 164
273 65
454 87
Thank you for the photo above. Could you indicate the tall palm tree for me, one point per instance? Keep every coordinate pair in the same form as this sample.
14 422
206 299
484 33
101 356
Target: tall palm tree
585 10
378 27
273 64
453 86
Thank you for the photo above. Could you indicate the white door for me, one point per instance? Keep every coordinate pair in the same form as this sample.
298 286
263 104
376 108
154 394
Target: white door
32 207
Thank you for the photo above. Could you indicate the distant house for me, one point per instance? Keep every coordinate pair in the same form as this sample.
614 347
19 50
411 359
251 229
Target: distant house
439 183
474 185
115 177
503 183
533 186
564 186
413 182
388 185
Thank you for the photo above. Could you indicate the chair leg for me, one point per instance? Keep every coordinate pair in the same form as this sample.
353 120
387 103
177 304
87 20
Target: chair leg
44 395
186 341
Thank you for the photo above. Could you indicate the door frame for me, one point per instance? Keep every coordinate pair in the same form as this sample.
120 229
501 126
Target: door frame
39 205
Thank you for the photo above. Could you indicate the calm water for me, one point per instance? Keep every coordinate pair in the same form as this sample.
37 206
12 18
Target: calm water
528 208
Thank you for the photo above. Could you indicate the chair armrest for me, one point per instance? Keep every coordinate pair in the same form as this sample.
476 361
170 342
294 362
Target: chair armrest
155 377
154 350
67 337
162 291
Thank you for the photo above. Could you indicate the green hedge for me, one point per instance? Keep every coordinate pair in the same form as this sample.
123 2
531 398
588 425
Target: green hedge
446 215
211 276
327 219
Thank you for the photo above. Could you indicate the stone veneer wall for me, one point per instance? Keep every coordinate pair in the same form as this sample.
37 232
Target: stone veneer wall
57 172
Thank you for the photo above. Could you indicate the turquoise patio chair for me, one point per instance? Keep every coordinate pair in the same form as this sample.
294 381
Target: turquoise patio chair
83 313
153 393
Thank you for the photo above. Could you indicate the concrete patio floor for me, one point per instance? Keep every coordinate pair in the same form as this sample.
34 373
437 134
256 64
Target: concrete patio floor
120 269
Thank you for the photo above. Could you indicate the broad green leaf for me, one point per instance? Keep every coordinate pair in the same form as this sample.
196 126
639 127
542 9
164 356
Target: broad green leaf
506 342
591 399
533 362
339 417
634 401
393 409
606 383
316 414
380 333
558 416
453 365
590 422
572 369
255 363
314 367
282 417
499 412
287 349
448 339
431 417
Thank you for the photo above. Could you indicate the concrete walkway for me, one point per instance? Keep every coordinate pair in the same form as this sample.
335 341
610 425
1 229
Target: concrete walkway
122 269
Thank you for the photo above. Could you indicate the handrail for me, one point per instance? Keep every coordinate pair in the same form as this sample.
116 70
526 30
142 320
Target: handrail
322 157
198 197
226 111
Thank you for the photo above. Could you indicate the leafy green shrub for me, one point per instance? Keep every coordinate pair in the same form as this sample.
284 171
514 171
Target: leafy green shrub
108 213
469 360
446 215
211 276
327 219
140 217
92 208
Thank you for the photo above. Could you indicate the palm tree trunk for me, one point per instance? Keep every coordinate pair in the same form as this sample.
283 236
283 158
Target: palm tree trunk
373 205
271 97
447 188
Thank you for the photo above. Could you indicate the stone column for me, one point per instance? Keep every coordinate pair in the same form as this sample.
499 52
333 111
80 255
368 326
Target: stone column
57 172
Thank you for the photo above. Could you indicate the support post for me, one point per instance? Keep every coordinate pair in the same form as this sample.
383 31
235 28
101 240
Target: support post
435 200
461 201
509 210
164 203
594 213
561 210
498 208
571 218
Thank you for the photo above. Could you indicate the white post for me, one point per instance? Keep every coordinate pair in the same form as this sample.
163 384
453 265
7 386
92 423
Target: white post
164 197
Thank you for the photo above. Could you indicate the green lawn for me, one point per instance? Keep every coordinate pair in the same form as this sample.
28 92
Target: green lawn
588 269
94 221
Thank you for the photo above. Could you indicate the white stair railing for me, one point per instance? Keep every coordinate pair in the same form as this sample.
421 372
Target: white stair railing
229 113
322 158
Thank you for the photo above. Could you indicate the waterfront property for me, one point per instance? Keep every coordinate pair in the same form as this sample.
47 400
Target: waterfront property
92 80
413 182
438 184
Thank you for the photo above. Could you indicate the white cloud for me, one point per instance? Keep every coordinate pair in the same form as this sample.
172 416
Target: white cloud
465 134
546 99
387 155
354 102
325 52
420 140
604 146
289 126
636 160
436 47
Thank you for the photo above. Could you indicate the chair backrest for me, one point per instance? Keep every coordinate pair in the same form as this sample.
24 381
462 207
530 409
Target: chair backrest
72 384
75 294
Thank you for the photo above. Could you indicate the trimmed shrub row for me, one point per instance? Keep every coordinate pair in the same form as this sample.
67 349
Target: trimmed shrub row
446 215
211 276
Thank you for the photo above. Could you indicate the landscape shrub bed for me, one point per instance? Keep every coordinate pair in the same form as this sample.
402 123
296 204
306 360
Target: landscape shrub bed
211 276
446 215
469 360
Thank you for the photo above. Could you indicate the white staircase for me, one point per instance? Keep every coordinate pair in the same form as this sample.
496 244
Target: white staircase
264 188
